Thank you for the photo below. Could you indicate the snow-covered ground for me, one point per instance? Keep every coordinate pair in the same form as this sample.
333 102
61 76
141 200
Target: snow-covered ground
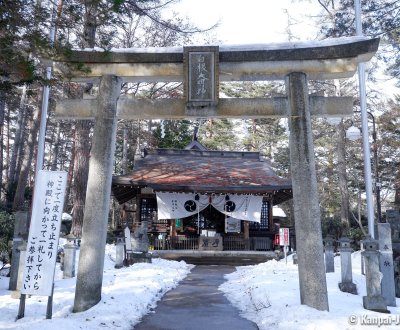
127 295
267 293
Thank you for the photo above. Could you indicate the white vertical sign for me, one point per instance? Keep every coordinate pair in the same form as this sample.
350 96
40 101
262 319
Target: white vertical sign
284 236
41 251
284 240
128 242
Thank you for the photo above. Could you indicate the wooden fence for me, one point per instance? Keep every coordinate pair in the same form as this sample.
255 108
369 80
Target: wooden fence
230 243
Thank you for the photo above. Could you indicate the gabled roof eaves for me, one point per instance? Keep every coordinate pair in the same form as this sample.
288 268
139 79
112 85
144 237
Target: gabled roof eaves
200 171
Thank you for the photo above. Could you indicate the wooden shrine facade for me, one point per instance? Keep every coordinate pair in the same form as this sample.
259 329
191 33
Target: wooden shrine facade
204 172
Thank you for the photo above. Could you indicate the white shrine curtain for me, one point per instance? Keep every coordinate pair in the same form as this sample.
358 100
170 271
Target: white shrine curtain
181 205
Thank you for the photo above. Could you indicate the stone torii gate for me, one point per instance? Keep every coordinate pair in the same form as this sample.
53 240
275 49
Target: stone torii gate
201 69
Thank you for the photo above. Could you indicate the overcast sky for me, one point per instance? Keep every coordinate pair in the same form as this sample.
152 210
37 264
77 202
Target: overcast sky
253 21
260 22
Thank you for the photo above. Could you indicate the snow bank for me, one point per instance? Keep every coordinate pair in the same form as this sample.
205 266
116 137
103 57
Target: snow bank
127 295
272 299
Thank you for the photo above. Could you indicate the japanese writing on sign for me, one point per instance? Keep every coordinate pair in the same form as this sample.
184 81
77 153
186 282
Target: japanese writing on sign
246 205
284 236
174 205
41 251
210 242
201 76
232 225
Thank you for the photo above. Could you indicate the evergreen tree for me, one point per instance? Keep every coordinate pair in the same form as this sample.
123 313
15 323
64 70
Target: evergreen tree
267 135
218 134
379 19
21 23
107 24
174 134
389 153
24 33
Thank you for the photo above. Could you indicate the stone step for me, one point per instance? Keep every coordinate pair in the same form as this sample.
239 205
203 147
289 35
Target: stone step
232 258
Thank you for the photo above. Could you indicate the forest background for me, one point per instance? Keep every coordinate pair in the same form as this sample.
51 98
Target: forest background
24 33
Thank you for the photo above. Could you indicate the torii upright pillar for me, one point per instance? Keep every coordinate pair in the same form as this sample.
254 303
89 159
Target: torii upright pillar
90 274
309 246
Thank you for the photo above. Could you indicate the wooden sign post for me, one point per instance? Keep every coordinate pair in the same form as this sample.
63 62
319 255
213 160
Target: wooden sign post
42 247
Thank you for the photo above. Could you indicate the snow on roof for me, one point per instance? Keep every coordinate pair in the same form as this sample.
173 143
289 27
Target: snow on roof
269 46
278 212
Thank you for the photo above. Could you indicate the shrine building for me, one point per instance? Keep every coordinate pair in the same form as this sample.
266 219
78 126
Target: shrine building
199 199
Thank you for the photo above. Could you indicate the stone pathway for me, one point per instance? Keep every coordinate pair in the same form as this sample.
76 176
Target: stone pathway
197 304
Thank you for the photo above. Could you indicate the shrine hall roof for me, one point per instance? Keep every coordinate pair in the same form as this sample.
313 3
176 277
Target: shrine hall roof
202 171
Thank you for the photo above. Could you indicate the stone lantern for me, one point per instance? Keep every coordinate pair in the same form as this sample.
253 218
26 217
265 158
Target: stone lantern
345 249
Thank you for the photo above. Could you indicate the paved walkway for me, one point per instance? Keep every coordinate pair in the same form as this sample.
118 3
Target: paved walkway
197 304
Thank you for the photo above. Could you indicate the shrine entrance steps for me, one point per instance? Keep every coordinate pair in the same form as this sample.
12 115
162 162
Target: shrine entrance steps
231 258
197 304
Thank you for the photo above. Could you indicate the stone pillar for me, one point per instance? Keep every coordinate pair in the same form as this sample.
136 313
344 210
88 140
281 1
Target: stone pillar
313 289
128 239
16 245
329 255
396 263
97 204
16 293
295 259
373 300
20 232
69 257
173 228
362 257
21 226
140 244
386 263
246 234
119 252
345 250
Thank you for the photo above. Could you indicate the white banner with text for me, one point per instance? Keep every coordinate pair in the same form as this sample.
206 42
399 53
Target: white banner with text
41 250
181 205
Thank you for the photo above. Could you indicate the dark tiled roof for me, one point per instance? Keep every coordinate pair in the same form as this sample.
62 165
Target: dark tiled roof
202 171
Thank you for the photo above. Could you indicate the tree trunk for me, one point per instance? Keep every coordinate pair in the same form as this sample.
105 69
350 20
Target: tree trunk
2 110
342 176
70 175
56 148
124 165
26 164
17 150
80 177
7 160
342 171
397 191
90 25
21 150
81 137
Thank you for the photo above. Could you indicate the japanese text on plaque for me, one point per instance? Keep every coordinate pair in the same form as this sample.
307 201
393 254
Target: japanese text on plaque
41 251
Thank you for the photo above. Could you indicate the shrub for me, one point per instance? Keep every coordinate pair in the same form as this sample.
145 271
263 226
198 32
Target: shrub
6 234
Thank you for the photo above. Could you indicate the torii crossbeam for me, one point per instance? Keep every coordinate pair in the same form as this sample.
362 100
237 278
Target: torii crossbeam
294 62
